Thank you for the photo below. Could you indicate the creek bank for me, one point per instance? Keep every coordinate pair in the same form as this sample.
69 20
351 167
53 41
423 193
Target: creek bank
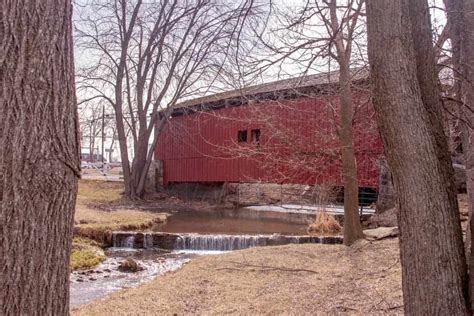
137 257
307 279
108 276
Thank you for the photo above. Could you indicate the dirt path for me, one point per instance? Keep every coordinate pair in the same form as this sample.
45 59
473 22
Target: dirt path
295 279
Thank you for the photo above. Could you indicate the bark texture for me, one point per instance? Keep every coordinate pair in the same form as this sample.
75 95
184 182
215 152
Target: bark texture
39 155
466 24
408 113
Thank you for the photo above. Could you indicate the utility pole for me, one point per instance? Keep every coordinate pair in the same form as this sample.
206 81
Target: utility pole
103 138
91 145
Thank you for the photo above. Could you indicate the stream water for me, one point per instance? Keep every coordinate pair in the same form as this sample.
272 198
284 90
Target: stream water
228 222
89 285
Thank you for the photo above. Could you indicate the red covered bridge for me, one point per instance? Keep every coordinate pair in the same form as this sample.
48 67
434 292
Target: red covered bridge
281 132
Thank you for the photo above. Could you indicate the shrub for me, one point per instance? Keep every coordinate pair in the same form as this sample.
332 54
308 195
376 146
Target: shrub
85 254
324 223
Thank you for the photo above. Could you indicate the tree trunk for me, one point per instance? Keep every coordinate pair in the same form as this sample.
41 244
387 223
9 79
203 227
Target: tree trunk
352 227
91 144
387 196
122 139
433 263
158 127
467 92
139 161
39 156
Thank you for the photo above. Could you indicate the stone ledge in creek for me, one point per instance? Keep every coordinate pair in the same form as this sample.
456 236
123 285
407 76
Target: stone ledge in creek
216 242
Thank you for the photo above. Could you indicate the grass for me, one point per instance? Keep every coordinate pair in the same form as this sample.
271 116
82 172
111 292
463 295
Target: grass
85 254
98 214
99 191
306 279
99 224
324 223
117 219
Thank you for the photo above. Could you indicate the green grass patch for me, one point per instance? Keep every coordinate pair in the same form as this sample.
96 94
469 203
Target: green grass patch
85 254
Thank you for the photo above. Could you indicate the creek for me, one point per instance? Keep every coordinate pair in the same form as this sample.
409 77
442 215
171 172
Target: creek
171 245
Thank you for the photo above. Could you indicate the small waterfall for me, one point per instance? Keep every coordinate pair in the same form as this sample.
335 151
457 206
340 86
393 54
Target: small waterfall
207 242
123 240
219 242
147 240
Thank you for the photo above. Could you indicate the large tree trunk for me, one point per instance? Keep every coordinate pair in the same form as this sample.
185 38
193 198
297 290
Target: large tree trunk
467 93
433 263
39 156
461 21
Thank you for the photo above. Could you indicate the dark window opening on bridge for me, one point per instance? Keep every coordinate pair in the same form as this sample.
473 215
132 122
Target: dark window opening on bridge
242 136
255 134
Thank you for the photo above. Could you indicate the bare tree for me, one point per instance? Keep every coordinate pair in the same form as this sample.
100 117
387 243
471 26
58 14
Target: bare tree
146 57
321 34
39 156
90 120
343 47
406 100
97 125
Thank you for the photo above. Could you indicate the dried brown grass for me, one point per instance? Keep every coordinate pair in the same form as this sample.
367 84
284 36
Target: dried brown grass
91 191
96 219
88 217
323 224
98 224
304 279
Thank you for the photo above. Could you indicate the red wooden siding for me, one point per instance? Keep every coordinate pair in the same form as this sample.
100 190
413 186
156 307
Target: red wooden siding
298 143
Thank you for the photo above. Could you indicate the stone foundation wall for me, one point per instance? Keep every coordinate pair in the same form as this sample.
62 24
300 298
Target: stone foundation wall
271 193
212 192
255 193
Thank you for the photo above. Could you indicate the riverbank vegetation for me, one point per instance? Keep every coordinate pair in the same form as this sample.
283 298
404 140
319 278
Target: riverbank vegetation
324 223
